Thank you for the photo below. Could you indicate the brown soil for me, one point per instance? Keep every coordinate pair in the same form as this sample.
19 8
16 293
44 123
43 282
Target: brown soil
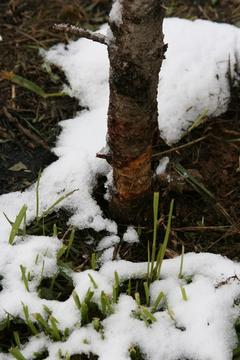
26 28
28 123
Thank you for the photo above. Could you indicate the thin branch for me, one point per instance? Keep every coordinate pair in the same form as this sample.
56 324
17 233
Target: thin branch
180 147
202 229
74 30
29 134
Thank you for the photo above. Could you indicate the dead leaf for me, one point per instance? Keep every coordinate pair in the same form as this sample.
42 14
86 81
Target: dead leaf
18 167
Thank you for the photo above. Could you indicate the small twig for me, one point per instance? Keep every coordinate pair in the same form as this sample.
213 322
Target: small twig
33 137
232 230
203 191
202 229
30 37
180 147
74 30
227 281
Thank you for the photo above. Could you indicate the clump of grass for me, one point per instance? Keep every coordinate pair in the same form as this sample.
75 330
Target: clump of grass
47 324
89 310
142 313
92 311
14 332
135 353
156 258
50 326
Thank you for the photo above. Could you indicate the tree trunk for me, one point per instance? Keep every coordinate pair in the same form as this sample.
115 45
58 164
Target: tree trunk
136 50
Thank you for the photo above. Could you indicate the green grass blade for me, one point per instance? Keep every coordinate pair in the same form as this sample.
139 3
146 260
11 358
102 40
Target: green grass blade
155 226
24 277
199 120
8 220
76 300
148 261
55 230
147 293
148 315
61 251
106 306
28 84
163 248
184 294
95 286
88 296
17 223
116 287
197 185
32 327
37 196
43 323
170 313
103 303
157 302
17 354
180 275
23 82
137 298
25 311
70 242
28 321
116 279
60 199
17 339
55 331
84 314
129 289
94 261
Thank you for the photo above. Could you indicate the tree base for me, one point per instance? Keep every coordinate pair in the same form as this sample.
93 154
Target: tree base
137 211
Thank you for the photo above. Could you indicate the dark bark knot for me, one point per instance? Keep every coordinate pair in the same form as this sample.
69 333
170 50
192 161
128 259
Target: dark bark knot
129 80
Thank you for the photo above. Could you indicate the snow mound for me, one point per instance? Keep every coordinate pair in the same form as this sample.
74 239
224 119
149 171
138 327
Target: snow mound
194 78
198 327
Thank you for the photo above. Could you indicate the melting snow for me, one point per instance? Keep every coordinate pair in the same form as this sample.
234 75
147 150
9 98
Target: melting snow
193 80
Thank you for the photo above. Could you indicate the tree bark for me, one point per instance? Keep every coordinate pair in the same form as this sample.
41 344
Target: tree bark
136 51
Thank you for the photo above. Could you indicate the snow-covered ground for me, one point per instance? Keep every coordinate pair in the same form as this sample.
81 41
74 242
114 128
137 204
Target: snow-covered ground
193 81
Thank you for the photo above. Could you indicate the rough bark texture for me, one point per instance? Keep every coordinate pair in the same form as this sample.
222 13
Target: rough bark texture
135 52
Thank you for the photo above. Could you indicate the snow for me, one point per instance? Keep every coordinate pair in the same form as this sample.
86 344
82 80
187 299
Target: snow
193 81
131 235
115 15
200 328
162 165
108 241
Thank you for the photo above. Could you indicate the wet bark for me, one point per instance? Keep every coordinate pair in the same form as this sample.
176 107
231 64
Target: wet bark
135 51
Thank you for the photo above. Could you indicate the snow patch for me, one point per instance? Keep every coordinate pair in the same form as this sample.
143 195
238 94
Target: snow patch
108 241
115 15
200 327
162 165
131 235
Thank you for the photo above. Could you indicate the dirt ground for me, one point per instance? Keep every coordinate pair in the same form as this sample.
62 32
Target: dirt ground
29 123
